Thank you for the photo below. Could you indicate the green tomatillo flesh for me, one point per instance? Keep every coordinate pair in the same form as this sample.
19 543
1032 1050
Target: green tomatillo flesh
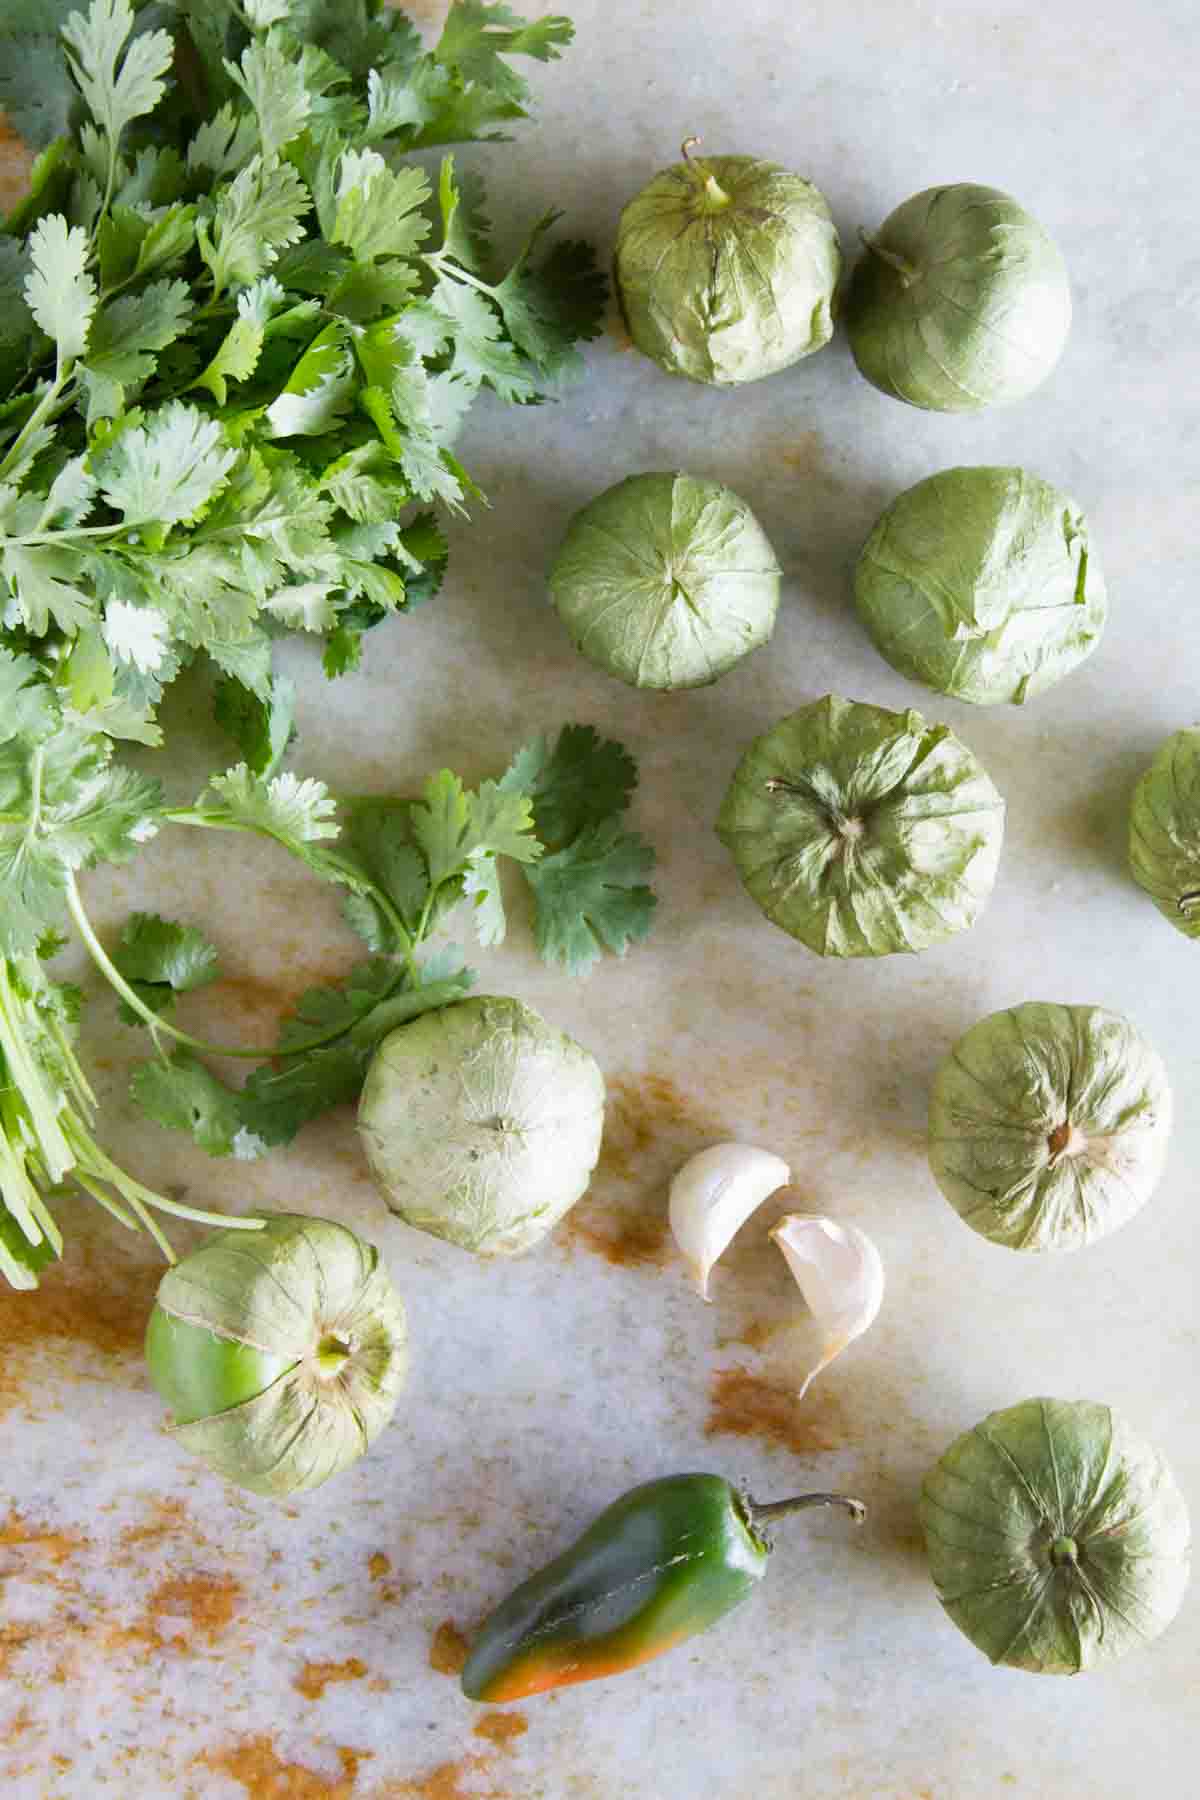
198 1373
661 1564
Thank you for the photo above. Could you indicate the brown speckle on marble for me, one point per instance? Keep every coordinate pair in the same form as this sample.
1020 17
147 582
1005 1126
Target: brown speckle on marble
208 1603
743 1404
448 1649
257 1765
315 1677
502 1727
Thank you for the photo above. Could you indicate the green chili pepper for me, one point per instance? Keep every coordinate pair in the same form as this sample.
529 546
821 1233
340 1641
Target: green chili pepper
666 1561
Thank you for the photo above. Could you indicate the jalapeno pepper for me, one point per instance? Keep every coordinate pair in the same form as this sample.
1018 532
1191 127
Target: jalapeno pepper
664 1562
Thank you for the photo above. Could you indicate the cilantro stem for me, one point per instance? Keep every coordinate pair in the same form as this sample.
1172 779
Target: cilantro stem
37 417
133 1000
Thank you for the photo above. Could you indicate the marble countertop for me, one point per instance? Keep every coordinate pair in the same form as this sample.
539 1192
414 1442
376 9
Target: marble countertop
162 1634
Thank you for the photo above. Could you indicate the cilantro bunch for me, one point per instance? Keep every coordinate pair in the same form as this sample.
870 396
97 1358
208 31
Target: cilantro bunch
405 864
239 333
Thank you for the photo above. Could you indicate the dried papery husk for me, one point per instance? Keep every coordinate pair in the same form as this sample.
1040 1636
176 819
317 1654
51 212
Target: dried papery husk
840 1273
713 1195
313 1295
482 1123
1057 1536
726 268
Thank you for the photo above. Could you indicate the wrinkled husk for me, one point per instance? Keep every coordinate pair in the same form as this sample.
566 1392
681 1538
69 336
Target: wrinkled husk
286 1289
927 822
1164 831
1038 1473
729 282
982 583
666 581
482 1124
979 315
1012 1082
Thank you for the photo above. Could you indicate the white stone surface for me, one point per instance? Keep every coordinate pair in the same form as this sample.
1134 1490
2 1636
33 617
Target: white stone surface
161 1634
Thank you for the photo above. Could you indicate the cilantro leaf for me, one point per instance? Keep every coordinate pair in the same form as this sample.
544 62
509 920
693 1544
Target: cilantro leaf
185 1096
255 217
481 887
549 307
166 470
60 292
592 896
478 35
44 583
481 353
125 338
116 96
378 209
64 806
584 780
466 229
264 13
160 959
276 91
283 806
137 634
261 728
320 390
452 825
225 143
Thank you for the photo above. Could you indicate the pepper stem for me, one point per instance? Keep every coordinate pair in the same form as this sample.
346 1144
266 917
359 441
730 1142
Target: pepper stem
907 271
779 1509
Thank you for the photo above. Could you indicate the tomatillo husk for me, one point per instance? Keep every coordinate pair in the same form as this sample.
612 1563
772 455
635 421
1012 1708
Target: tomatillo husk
281 1353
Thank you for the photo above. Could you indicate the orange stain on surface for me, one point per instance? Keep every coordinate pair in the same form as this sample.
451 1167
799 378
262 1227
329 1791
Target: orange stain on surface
502 1727
448 1649
100 1302
378 1565
16 1533
650 1128
209 1603
742 1404
458 1780
315 1677
255 1763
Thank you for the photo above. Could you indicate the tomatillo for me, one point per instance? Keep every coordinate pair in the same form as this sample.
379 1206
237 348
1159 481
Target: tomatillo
281 1354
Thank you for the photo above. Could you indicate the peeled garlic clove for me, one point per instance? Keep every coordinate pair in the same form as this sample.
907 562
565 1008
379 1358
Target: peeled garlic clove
840 1273
713 1195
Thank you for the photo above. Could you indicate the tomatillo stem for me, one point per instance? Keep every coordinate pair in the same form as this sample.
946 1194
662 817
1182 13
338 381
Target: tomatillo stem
907 271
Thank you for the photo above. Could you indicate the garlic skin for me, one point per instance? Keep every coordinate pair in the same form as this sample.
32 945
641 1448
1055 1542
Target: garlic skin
713 1195
840 1273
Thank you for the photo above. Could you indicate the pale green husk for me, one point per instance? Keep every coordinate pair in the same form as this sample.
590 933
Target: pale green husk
286 1289
482 1124
1030 1477
1164 831
726 269
998 1116
666 581
960 301
862 831
982 583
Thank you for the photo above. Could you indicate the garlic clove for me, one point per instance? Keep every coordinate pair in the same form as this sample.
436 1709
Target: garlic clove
840 1273
713 1195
